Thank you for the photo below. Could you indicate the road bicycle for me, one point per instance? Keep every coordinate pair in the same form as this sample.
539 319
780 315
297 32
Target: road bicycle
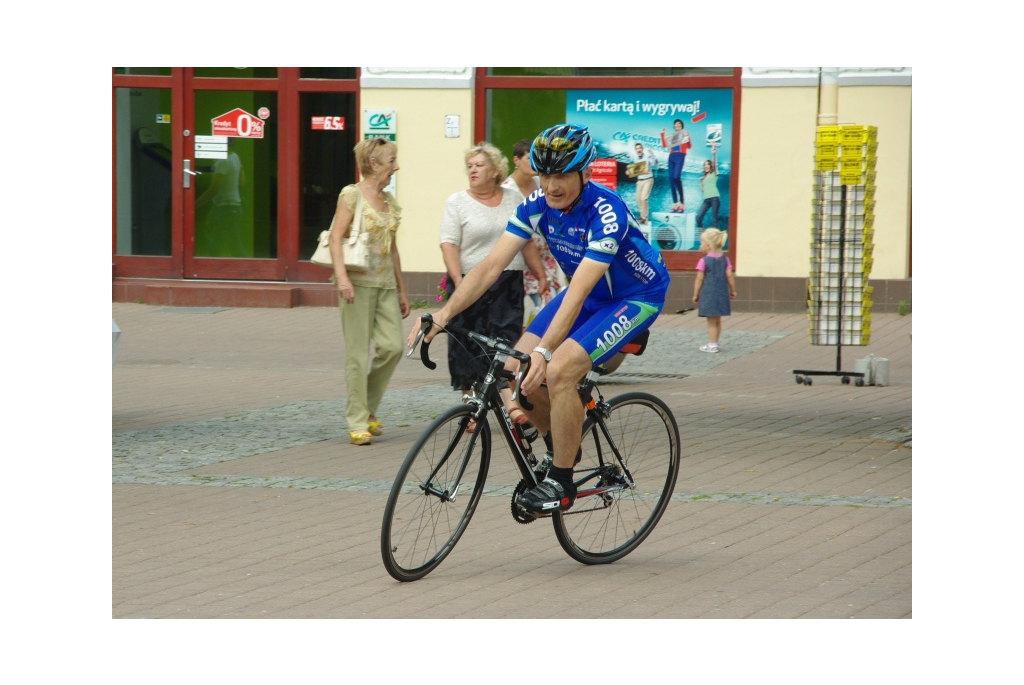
625 473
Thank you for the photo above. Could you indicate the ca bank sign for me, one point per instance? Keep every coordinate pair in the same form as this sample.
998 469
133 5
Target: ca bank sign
379 123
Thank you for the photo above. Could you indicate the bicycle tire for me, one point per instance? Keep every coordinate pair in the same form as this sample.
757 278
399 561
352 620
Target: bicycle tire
604 528
420 529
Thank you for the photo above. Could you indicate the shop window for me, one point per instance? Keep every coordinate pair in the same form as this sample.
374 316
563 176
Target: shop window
142 71
620 119
236 72
327 134
142 186
327 72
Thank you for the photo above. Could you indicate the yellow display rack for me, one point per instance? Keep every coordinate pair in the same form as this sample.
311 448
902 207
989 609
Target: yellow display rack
842 248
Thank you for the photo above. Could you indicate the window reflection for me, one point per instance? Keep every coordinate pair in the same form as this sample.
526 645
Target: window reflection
236 191
327 72
143 163
142 71
326 159
236 72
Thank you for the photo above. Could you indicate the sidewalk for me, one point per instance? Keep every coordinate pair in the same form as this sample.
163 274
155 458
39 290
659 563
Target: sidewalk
237 495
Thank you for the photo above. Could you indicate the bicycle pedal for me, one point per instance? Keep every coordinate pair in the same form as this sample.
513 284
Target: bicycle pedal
534 515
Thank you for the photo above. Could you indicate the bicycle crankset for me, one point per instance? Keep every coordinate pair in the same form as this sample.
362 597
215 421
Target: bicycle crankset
520 514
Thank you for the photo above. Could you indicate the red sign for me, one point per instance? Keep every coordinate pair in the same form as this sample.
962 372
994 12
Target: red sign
328 124
237 124
605 172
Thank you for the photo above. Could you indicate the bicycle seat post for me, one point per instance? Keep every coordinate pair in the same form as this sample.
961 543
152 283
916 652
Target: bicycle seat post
585 388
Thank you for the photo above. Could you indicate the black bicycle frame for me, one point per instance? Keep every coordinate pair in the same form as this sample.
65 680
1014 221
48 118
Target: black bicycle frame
489 396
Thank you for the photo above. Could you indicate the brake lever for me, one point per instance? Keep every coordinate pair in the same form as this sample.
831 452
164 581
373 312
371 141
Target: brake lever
517 396
525 403
426 322
412 348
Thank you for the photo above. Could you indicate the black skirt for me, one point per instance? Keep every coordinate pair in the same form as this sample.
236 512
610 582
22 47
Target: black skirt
498 314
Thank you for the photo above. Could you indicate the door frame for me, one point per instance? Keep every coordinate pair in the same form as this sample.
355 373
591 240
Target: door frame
150 266
289 265
260 269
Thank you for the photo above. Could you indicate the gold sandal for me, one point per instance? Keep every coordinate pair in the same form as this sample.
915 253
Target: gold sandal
375 427
360 437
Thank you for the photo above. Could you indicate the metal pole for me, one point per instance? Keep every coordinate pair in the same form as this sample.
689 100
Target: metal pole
842 276
828 96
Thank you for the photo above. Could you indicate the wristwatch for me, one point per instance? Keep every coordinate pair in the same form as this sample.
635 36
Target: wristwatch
544 353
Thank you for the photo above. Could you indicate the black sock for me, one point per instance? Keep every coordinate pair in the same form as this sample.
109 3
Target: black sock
564 477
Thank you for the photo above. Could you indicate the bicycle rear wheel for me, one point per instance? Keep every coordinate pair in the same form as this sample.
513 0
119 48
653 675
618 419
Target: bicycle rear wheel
427 512
603 528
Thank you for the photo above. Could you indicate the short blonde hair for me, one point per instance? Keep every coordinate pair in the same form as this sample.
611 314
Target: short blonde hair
370 149
494 157
714 239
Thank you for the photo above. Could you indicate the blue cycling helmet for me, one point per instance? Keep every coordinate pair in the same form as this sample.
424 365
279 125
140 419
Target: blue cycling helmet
562 149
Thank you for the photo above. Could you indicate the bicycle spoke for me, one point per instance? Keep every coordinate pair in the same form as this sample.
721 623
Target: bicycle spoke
434 495
636 455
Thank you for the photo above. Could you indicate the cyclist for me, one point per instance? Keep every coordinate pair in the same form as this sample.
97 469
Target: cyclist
617 289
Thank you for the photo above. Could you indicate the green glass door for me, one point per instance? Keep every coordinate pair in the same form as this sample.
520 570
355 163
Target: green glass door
230 173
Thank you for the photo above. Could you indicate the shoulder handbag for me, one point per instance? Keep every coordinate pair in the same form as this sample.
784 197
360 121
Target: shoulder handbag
322 255
357 247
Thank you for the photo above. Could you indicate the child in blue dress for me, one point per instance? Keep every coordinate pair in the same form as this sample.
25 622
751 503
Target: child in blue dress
715 285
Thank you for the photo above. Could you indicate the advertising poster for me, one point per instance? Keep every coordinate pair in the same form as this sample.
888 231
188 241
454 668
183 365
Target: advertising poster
619 120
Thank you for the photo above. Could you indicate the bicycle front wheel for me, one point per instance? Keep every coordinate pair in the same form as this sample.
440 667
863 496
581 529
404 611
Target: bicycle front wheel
434 494
605 527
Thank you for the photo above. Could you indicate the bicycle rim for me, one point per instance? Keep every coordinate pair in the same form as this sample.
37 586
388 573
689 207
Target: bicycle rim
603 528
421 528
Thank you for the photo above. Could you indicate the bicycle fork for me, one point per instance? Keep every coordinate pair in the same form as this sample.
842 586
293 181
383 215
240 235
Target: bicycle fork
450 495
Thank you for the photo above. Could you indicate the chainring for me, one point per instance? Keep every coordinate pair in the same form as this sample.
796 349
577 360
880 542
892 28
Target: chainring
518 513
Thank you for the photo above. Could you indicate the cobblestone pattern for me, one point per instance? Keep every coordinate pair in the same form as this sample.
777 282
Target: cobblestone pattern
164 455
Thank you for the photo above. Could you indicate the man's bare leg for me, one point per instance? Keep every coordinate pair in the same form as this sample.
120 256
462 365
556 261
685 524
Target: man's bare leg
568 365
557 491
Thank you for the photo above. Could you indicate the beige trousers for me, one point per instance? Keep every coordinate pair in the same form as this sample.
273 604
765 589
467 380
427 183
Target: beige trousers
374 315
643 193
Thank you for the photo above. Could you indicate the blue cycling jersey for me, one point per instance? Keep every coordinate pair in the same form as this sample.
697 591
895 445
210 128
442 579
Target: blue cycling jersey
598 227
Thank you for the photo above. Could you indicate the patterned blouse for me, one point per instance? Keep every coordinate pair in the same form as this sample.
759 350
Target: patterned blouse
530 282
382 227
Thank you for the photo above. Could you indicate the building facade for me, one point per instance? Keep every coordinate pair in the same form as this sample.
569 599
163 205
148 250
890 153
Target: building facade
224 177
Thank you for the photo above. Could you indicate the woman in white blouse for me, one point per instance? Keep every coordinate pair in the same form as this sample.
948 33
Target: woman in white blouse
473 221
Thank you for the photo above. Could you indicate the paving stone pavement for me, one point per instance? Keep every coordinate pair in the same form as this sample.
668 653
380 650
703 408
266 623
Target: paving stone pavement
237 495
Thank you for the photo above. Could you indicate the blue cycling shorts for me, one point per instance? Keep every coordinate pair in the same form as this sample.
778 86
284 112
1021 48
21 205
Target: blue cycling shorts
602 328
